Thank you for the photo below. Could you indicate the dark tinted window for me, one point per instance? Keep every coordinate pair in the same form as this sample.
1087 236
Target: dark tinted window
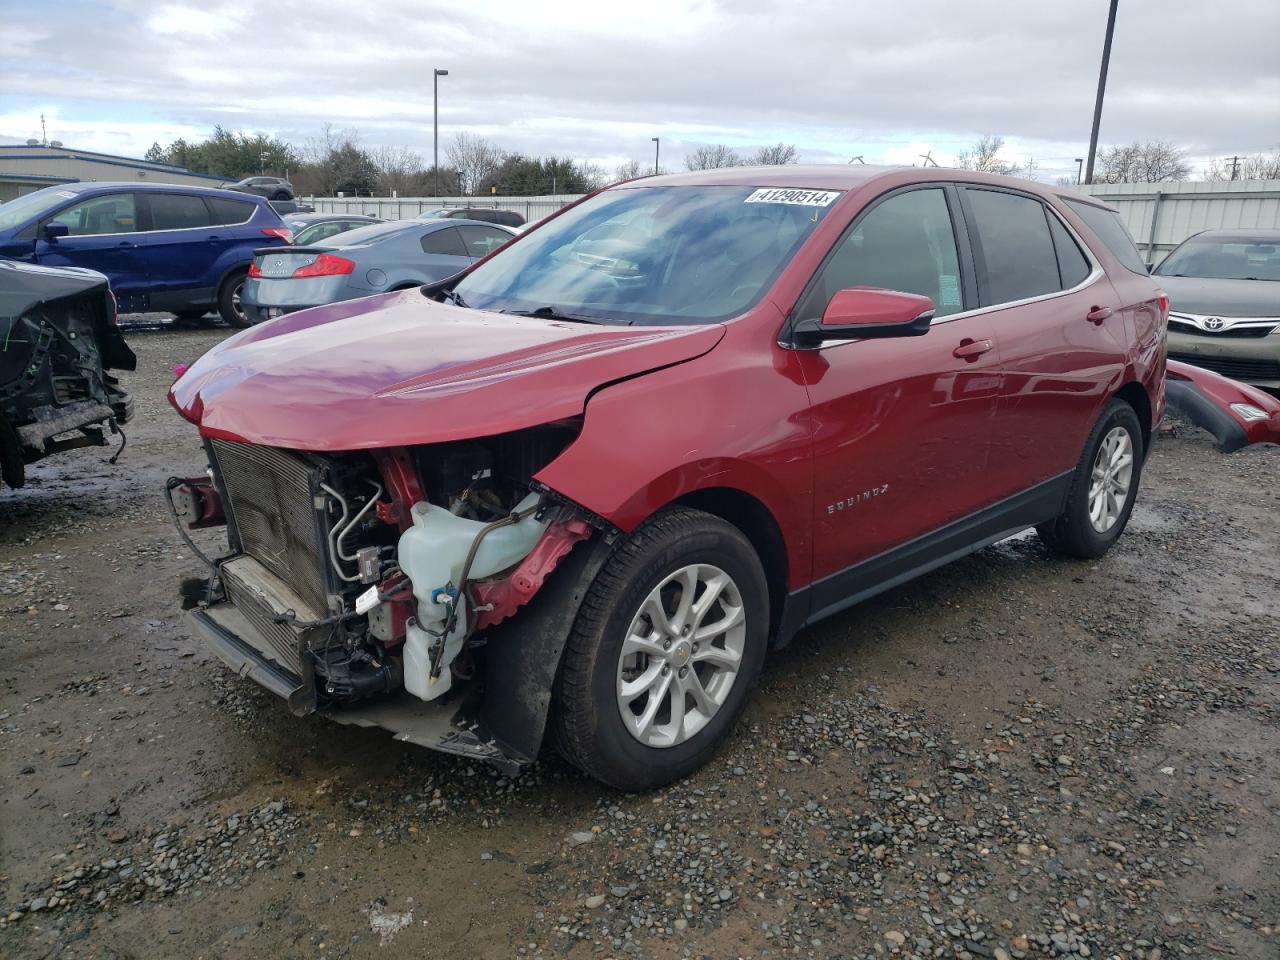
481 241
1111 231
228 211
1016 247
177 211
112 213
1072 263
444 242
904 243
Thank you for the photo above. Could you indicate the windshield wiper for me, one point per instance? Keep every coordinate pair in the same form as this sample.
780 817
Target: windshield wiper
550 312
454 297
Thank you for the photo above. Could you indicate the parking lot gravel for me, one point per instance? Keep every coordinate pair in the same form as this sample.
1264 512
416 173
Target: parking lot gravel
1016 756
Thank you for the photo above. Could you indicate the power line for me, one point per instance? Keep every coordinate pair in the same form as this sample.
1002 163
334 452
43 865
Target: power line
1235 165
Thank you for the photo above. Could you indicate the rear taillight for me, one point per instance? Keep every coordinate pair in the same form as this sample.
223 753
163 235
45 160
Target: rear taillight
283 233
325 265
1163 299
254 271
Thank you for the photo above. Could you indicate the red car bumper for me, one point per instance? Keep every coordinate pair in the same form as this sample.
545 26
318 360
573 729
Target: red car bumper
1236 413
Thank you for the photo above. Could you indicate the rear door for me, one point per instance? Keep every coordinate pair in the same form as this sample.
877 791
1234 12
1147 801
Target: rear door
1060 335
176 243
103 236
445 253
228 228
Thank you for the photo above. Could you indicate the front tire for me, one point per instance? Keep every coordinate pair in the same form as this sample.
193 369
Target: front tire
1103 487
229 307
667 645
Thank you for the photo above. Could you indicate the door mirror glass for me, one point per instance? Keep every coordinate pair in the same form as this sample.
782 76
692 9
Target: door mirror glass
860 313
52 231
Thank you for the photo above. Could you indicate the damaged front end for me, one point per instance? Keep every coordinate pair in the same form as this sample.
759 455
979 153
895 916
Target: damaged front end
370 586
58 339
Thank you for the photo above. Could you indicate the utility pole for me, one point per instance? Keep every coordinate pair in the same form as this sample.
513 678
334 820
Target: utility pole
44 134
656 145
435 124
1102 89
1079 167
928 159
1235 166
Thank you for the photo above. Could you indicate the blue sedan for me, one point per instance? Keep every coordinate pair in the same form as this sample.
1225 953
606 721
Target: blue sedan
365 261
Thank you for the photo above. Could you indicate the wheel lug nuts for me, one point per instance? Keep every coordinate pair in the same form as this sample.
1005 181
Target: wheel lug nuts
666 668
684 631
666 644
683 671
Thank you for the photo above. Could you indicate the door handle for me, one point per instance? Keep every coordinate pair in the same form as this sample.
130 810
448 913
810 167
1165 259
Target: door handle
124 243
971 349
1097 314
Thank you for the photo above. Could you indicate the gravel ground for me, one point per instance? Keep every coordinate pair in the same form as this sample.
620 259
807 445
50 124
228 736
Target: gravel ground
1016 756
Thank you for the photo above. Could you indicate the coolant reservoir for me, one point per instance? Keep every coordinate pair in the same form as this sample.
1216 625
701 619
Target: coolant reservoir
431 554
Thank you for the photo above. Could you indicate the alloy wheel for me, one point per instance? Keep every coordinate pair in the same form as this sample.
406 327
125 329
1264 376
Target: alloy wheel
681 655
1110 479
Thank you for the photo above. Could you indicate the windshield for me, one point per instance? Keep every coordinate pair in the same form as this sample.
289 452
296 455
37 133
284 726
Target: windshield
1235 259
32 205
652 255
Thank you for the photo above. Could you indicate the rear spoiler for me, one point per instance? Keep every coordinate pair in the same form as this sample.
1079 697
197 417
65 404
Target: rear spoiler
1235 413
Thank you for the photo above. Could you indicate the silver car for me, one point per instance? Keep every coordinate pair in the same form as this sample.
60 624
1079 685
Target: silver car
361 262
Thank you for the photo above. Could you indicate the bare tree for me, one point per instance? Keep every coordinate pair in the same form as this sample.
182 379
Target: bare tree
593 175
712 157
475 158
779 155
1154 161
629 170
983 157
400 170
1259 166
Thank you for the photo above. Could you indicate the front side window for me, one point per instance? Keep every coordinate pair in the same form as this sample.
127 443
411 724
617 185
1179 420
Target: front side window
905 243
1235 259
113 213
177 211
1111 231
482 241
653 255
1017 248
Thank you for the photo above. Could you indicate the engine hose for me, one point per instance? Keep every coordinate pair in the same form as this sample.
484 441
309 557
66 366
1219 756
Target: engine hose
438 654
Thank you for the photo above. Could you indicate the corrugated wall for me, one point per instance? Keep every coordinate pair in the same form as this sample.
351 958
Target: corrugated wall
1162 215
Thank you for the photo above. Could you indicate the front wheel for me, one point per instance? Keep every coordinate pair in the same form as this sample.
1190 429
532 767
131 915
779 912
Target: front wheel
229 306
1103 487
666 647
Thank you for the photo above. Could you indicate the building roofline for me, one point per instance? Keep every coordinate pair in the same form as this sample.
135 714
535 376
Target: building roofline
111 159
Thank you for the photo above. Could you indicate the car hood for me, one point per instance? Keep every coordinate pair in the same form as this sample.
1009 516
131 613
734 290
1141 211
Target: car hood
398 369
1222 298
27 285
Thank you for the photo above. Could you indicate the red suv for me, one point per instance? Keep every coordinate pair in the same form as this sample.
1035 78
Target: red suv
588 482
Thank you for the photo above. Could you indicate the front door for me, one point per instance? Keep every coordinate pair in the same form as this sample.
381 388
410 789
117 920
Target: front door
901 426
102 235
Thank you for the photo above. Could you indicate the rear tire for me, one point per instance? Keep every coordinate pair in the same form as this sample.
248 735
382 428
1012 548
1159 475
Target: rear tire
698 682
229 300
1103 489
281 195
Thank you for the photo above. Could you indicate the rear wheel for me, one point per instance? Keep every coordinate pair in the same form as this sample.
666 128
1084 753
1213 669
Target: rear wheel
281 195
667 645
1103 487
229 307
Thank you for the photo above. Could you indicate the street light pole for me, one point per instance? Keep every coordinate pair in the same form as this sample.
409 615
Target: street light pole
1079 166
435 123
1102 88
656 145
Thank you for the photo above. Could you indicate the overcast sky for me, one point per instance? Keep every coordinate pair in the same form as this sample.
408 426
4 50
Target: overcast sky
887 80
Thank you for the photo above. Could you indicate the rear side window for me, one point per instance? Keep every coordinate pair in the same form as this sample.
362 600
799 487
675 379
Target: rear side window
1072 263
177 211
223 211
1111 231
1017 251
113 213
905 243
444 243
481 241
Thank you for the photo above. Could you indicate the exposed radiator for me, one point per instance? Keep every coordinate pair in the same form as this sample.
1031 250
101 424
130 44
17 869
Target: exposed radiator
271 495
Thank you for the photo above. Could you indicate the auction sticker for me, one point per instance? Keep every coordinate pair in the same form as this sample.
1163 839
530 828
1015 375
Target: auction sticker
803 198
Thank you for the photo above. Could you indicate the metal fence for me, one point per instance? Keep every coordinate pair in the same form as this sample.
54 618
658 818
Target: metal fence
1161 215
405 208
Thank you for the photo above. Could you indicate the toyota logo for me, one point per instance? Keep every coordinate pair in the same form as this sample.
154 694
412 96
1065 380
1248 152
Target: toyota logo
1213 323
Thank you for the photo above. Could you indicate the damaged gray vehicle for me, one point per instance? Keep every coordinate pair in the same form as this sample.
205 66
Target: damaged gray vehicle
58 339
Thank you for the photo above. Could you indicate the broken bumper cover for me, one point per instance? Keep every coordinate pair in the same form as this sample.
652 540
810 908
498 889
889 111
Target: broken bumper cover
447 724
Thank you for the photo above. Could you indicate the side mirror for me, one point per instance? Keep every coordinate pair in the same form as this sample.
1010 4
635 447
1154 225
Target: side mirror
861 313
52 231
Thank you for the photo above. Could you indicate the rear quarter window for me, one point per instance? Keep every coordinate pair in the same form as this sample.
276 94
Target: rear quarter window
1110 229
446 243
223 211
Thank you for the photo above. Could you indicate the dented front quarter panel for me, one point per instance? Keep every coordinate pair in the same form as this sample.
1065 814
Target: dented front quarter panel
401 370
